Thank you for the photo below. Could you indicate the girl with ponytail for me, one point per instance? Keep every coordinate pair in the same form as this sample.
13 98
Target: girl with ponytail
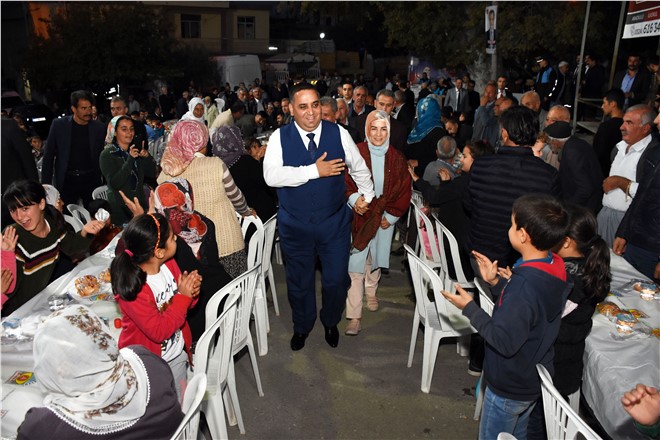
587 259
153 295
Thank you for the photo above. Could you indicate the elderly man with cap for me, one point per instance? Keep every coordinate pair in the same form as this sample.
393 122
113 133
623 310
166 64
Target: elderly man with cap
580 175
546 82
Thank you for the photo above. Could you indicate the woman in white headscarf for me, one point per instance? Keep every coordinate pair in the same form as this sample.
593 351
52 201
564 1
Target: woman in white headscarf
93 389
373 230
195 111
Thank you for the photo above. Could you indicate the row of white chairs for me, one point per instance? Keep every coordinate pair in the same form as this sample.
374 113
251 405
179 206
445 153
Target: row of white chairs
430 271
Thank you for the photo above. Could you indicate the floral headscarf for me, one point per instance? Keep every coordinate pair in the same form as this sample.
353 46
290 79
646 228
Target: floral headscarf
187 138
228 144
90 384
175 201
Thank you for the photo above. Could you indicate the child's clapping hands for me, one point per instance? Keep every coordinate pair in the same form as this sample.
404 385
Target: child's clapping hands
190 284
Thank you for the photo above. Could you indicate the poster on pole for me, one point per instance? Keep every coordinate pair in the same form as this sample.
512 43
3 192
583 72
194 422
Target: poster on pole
491 29
643 19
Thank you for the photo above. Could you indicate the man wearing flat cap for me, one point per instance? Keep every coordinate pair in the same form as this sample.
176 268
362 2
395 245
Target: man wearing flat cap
546 82
580 175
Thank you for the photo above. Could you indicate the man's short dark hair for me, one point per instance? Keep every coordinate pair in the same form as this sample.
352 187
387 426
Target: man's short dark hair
480 148
81 94
135 113
238 107
299 88
616 95
543 217
521 124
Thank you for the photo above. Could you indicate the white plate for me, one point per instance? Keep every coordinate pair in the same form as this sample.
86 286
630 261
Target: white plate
105 289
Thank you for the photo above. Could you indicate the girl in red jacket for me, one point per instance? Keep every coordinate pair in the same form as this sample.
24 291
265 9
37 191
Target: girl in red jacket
153 295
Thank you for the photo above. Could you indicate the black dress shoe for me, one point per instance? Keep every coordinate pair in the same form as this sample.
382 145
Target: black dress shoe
298 341
332 336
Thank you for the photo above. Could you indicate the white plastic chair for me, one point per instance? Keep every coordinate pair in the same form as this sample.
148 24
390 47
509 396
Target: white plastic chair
270 228
255 256
440 318
443 233
213 357
416 199
79 212
192 405
561 422
100 193
242 334
446 234
73 221
487 305
432 260
245 285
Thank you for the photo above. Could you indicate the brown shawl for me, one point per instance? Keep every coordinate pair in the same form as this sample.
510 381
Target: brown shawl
395 198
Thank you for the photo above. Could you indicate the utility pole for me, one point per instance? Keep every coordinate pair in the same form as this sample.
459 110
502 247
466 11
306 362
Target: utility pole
493 58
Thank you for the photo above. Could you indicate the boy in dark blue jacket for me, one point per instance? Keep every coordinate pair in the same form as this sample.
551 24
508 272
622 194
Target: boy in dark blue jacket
526 317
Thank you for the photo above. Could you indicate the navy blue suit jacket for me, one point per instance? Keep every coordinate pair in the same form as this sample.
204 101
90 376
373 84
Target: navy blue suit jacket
58 149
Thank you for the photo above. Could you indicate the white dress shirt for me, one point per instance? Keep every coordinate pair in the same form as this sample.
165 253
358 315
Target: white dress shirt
625 165
277 175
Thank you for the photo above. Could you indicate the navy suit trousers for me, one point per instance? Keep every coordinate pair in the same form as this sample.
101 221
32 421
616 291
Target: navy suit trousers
302 242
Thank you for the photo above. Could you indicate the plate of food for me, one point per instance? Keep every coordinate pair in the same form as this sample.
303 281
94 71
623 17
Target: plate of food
90 285
647 291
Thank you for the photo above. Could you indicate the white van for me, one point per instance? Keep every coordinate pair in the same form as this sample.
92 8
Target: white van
235 69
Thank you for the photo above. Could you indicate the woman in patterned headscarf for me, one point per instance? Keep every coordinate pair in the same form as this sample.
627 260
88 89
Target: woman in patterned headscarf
174 199
216 195
93 389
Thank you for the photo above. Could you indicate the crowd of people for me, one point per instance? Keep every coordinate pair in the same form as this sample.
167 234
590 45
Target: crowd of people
534 208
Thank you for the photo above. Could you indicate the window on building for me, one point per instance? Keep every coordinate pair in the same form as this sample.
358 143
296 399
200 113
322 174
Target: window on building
246 28
191 26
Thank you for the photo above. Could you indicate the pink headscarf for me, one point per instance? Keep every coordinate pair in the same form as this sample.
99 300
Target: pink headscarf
187 138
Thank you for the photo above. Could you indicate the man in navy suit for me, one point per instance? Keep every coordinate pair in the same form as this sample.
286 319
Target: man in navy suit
71 159
305 161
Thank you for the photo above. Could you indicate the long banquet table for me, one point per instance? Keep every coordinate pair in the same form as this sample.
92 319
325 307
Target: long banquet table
613 365
17 356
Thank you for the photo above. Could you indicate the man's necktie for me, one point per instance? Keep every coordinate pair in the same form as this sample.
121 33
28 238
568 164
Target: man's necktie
312 148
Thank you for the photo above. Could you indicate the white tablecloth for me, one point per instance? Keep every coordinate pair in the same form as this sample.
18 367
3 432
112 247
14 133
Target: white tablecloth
612 367
17 399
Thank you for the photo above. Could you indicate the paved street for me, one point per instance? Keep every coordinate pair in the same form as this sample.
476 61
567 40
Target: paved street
360 390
